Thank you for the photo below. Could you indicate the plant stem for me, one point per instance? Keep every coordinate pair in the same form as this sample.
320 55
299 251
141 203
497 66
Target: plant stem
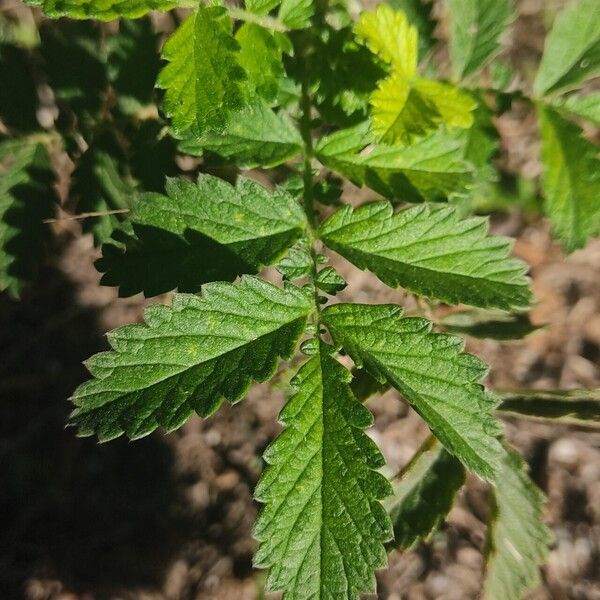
264 21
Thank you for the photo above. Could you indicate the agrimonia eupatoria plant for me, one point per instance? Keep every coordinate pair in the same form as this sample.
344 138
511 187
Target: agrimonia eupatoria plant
317 94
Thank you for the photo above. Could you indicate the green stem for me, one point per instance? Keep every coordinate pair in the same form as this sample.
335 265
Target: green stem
264 21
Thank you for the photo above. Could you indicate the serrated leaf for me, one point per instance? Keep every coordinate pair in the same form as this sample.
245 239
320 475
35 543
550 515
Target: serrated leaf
26 199
296 14
322 528
574 407
388 34
330 281
429 251
189 357
432 372
254 137
100 184
133 64
403 110
587 107
203 80
475 30
433 168
198 233
297 263
489 324
105 10
517 538
572 49
570 180
419 13
423 494
260 57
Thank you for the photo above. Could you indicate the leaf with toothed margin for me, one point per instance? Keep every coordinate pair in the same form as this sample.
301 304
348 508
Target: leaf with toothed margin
430 251
439 380
189 357
207 231
322 529
104 10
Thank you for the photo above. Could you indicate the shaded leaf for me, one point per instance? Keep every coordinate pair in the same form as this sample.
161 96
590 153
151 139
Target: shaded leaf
198 233
296 14
586 107
423 494
489 324
105 10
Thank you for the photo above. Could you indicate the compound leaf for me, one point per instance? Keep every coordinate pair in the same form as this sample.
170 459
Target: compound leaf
201 232
322 529
203 80
255 136
570 181
189 357
586 107
105 10
429 251
26 199
432 168
475 30
431 371
517 538
572 49
423 494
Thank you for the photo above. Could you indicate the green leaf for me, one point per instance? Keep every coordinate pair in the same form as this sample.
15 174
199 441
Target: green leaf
203 80
189 357
26 199
297 263
105 10
432 168
587 107
574 407
489 324
570 181
419 13
322 528
201 232
254 137
429 251
517 538
388 34
260 57
404 110
431 371
133 64
330 281
100 184
296 14
261 7
423 494
475 30
572 49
